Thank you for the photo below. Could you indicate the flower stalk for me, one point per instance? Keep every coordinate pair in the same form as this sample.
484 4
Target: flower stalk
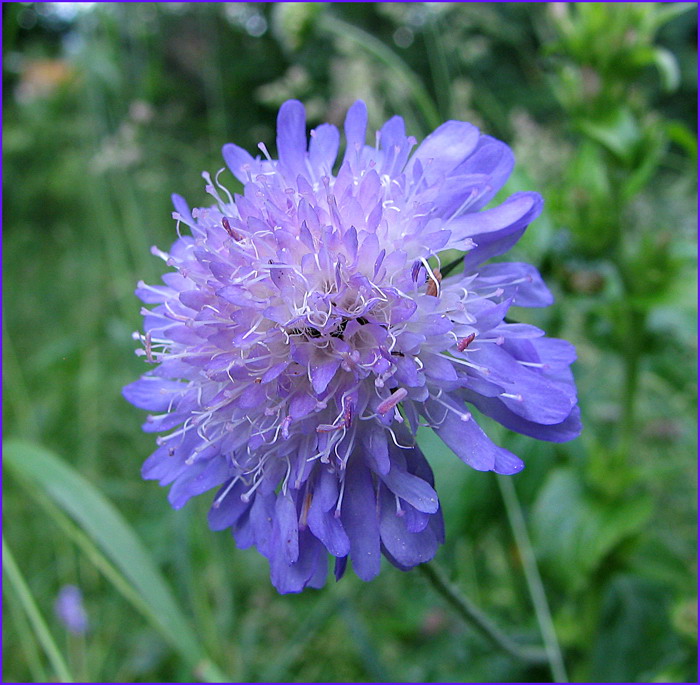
478 620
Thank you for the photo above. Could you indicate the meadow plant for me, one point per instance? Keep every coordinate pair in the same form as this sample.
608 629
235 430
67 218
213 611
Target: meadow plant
309 329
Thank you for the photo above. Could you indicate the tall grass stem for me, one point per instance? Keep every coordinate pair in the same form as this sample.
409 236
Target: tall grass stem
533 578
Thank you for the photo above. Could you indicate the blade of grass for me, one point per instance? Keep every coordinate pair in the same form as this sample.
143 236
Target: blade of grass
105 525
532 576
439 68
27 640
41 630
93 554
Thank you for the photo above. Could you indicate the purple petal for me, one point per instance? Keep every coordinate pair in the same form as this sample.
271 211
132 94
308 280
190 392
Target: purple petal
355 129
326 491
360 521
408 549
568 429
153 394
464 438
491 157
392 133
527 393
289 578
507 463
285 531
328 529
323 148
262 514
416 521
554 352
412 489
164 467
291 136
183 209
339 567
496 230
444 149
521 282
377 454
240 162
199 477
322 373
225 514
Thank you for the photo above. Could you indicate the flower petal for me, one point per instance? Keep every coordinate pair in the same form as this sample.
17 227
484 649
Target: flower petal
412 489
291 137
329 530
495 230
360 521
408 549
224 513
444 149
239 161
355 131
493 158
153 394
285 531
323 149
465 438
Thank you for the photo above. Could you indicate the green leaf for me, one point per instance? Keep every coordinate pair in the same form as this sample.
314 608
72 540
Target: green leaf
667 66
100 519
682 136
666 12
620 653
647 164
618 132
575 530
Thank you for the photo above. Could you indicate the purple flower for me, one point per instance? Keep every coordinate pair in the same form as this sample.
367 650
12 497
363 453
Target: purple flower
304 336
70 610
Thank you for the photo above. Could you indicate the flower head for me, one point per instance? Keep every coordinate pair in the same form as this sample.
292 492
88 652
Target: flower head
70 610
307 332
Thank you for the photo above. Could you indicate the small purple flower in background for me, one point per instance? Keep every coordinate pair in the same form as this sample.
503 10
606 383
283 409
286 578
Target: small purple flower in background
70 610
304 337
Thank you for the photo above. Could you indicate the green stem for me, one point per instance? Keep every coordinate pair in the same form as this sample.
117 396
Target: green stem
440 69
43 634
533 578
478 620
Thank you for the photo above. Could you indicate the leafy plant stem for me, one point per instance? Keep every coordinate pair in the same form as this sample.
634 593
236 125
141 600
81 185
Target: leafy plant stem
16 580
477 619
533 579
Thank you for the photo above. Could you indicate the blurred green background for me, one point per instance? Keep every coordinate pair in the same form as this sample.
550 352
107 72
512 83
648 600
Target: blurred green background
110 107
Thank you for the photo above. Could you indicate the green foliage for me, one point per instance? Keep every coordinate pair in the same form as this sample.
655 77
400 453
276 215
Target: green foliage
574 530
103 523
109 110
